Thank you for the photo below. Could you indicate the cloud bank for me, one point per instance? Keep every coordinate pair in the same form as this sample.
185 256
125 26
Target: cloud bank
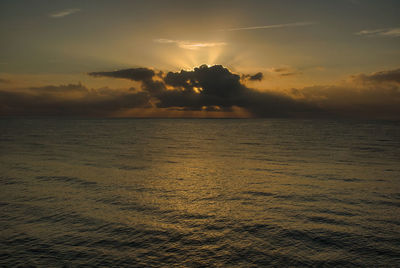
391 76
211 89
371 96
69 100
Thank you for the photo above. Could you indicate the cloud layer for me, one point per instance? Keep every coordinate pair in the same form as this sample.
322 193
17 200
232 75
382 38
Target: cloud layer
69 100
391 76
372 96
211 89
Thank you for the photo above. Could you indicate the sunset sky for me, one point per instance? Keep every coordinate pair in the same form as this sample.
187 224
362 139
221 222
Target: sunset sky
258 58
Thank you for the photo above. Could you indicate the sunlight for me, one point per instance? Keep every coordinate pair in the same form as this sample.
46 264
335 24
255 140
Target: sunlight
188 59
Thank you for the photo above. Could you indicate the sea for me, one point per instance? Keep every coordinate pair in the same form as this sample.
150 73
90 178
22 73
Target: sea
78 192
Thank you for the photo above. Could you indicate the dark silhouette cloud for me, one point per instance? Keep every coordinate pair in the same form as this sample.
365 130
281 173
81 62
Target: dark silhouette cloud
214 88
143 75
256 77
135 74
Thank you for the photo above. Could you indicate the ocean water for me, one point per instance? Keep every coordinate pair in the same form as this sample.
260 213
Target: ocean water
199 193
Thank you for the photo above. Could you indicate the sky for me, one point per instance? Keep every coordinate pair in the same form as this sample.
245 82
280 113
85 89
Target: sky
253 58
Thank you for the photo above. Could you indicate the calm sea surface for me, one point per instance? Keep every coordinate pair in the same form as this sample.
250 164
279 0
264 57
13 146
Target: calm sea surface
199 193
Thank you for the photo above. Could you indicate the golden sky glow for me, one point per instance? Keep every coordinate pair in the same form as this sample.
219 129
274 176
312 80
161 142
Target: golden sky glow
296 46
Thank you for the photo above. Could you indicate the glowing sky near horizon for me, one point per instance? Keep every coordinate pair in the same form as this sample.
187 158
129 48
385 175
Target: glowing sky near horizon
295 44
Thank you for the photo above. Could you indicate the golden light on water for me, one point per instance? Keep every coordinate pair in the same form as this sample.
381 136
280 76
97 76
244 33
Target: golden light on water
234 112
199 133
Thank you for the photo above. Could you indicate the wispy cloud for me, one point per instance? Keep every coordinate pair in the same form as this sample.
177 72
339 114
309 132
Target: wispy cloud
284 71
273 26
389 32
63 13
189 44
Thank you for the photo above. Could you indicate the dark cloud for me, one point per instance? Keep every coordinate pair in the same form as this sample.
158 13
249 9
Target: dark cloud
215 88
135 74
143 75
256 77
70 100
380 77
211 88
